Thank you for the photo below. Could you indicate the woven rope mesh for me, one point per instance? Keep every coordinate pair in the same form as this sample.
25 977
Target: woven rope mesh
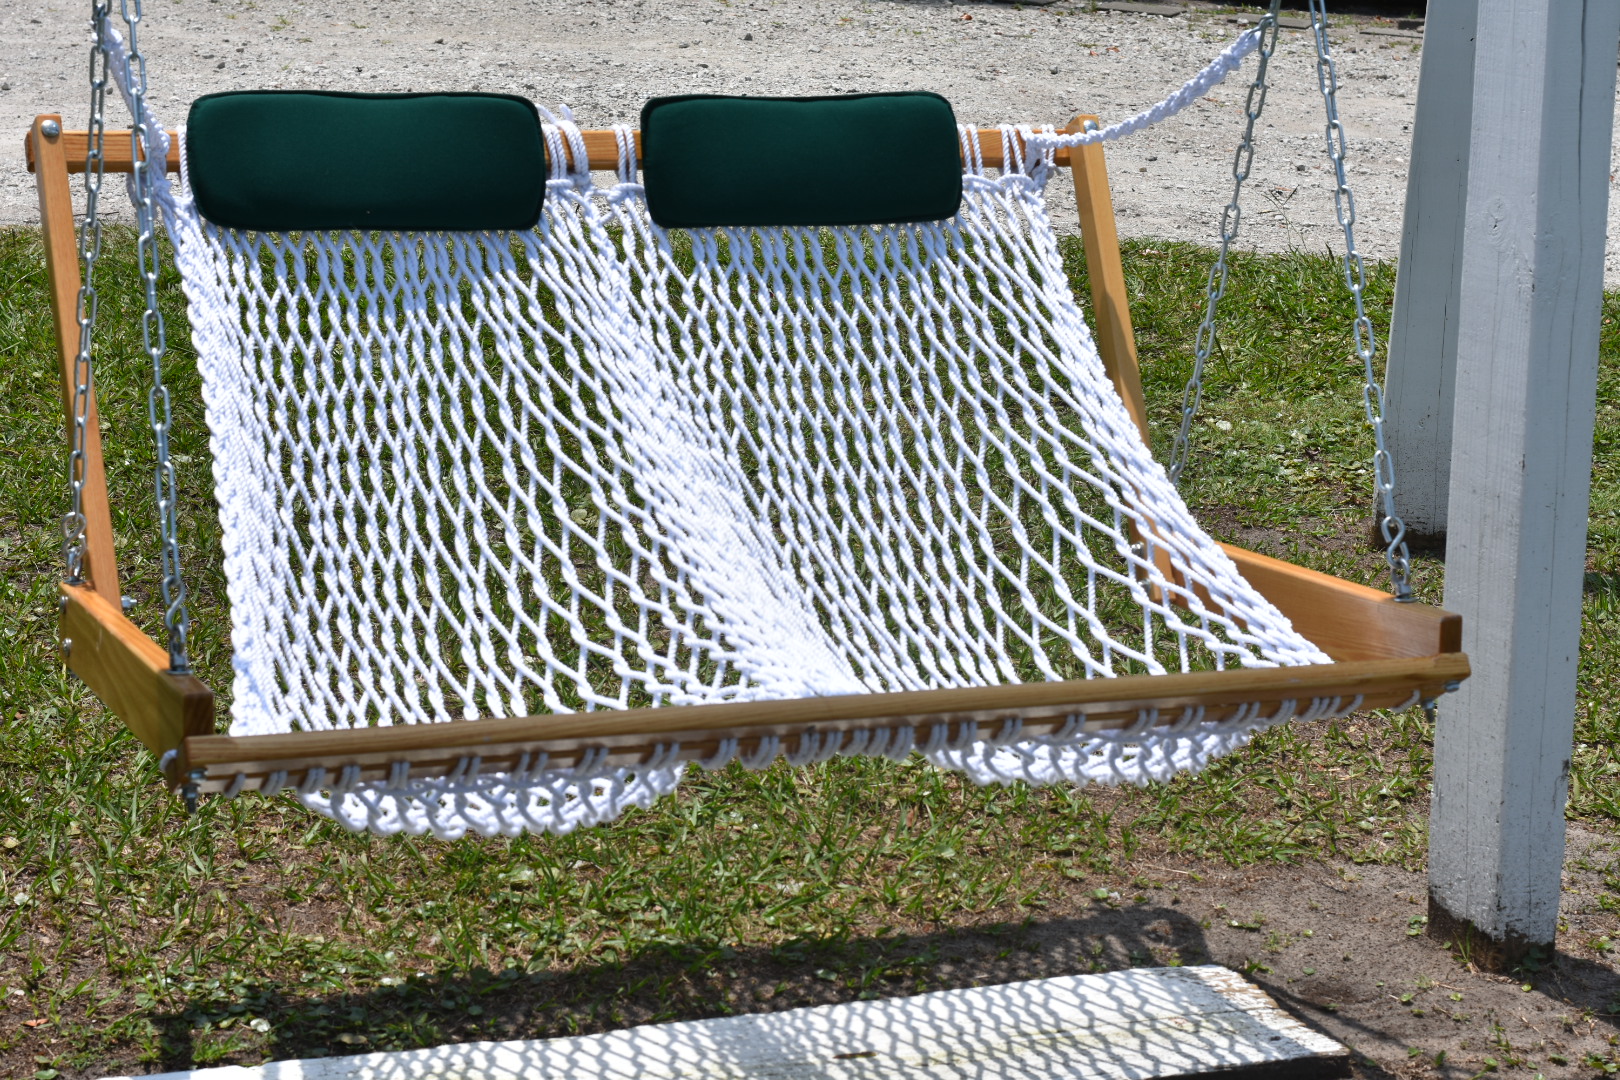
600 465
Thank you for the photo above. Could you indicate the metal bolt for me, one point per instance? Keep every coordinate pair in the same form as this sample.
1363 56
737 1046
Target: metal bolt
67 647
61 603
50 129
189 791
1453 686
128 604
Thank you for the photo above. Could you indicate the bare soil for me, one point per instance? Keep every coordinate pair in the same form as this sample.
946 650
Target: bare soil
1343 947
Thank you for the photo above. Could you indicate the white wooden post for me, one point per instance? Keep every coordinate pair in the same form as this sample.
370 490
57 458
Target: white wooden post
1528 318
1423 334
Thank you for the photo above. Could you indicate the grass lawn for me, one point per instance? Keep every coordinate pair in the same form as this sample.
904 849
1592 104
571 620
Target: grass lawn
133 937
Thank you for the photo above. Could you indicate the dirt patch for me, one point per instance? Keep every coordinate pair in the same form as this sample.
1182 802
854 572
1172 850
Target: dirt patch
1341 946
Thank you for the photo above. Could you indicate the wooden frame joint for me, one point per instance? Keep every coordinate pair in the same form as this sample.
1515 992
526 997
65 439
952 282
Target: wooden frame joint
130 673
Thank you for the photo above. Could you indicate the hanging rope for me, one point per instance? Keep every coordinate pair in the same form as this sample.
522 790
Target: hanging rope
1213 74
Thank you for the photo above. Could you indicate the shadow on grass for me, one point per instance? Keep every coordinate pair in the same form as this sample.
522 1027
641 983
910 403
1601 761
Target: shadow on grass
1604 585
688 981
669 982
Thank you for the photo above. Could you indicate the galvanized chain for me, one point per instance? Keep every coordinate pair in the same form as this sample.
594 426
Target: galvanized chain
1390 524
149 154
1193 395
73 523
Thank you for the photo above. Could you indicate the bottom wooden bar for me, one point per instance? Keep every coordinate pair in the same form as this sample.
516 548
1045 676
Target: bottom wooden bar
1388 655
214 762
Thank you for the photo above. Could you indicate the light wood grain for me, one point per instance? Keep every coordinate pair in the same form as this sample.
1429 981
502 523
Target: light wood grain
1110 301
630 735
600 146
129 672
1349 622
100 562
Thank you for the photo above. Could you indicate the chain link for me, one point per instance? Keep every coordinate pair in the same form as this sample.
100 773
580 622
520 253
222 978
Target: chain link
1390 524
1192 397
149 153
73 523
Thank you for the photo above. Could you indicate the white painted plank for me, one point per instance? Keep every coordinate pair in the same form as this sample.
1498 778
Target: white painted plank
1420 382
1124 1025
1531 300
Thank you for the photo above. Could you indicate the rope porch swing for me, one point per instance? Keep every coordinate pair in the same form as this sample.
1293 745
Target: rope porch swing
790 442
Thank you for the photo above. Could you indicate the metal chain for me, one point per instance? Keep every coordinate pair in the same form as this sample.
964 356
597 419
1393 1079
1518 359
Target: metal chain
73 523
1372 395
176 617
1193 395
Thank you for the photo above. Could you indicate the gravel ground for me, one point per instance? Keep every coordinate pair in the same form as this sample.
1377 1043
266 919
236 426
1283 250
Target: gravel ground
996 63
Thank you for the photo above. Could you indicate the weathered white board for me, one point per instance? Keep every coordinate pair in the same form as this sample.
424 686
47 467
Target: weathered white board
1124 1025
1419 387
1526 388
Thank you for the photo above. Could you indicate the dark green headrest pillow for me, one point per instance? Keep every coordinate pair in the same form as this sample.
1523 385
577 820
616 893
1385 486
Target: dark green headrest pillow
283 160
858 159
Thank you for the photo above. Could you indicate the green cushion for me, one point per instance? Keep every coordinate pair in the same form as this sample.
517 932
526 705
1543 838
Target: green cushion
282 160
860 159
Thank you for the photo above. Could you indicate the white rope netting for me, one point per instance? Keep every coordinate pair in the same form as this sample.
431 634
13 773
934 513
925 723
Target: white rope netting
598 465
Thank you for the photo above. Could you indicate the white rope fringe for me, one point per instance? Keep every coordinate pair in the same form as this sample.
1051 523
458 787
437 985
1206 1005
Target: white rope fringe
597 465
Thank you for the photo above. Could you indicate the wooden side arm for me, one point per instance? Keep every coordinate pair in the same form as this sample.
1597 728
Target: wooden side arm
130 673
1349 621
1345 620
100 560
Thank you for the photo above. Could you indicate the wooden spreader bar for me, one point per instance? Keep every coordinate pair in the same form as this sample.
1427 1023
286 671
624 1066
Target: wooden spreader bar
213 762
1384 652
118 153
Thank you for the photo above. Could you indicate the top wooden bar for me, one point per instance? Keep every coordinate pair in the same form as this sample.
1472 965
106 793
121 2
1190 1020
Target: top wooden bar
603 148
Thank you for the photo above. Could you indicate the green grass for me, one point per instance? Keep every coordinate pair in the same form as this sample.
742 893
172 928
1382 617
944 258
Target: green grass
134 937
